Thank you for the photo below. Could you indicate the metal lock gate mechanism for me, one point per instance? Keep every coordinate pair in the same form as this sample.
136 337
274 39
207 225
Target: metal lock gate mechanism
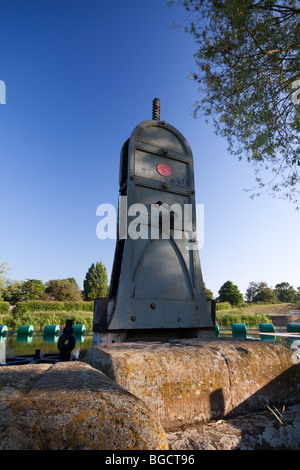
156 287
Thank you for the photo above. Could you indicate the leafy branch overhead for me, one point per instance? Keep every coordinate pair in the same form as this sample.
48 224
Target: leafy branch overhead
248 71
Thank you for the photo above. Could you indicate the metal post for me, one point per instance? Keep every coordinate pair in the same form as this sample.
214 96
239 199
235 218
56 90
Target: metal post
156 109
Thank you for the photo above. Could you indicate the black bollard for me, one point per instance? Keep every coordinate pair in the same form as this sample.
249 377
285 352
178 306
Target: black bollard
66 342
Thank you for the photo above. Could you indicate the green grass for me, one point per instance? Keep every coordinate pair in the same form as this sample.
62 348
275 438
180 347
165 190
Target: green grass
40 319
252 314
251 320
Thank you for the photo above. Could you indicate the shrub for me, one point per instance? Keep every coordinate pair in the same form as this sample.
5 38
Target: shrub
223 306
251 320
44 306
8 321
63 290
4 307
95 282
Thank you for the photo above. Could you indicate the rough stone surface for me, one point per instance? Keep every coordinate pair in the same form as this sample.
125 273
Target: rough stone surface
194 381
72 406
253 431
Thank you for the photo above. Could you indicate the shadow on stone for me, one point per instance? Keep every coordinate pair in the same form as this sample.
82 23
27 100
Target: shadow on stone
217 405
284 389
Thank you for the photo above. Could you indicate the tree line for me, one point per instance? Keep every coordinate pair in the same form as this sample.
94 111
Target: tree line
95 285
256 292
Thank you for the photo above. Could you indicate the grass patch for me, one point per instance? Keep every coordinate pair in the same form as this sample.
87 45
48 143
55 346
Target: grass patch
41 319
251 320
44 306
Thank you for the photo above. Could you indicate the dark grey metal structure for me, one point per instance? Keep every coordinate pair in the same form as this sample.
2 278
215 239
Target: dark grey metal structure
156 284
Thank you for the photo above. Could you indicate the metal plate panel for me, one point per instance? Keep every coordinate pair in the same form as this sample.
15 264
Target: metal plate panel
146 167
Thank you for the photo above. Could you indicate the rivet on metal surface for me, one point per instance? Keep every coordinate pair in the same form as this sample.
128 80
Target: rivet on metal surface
133 318
156 109
153 306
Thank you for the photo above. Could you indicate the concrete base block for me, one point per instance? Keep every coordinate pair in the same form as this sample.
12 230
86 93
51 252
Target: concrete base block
71 406
193 381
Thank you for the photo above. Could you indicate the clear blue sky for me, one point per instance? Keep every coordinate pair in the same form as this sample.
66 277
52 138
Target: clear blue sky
80 75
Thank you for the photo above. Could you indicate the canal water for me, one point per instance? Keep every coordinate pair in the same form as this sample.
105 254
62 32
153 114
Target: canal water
19 345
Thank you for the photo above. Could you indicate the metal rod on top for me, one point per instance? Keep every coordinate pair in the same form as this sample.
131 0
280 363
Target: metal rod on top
156 109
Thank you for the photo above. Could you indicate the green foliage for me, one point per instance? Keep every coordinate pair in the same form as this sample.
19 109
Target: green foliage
33 289
40 319
13 292
41 313
4 307
230 293
251 320
45 306
286 293
248 66
95 284
7 320
63 290
261 292
208 293
223 306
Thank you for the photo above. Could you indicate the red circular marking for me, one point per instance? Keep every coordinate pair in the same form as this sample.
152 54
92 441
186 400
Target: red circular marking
164 169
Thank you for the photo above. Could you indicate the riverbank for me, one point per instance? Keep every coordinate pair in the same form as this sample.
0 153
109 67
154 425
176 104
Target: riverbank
254 314
39 314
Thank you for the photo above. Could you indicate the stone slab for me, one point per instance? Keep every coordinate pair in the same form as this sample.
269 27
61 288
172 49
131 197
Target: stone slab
272 429
71 406
194 381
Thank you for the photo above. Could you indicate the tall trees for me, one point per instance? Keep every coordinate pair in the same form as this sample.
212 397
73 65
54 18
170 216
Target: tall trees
95 284
63 290
230 293
248 72
286 293
33 289
261 292
59 290
13 292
